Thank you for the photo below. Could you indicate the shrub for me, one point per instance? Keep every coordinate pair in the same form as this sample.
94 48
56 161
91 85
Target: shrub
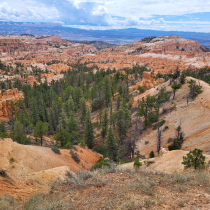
146 142
148 162
4 135
151 154
140 89
56 150
139 155
170 139
160 124
174 146
136 163
166 127
194 159
3 173
101 163
11 160
101 150
75 156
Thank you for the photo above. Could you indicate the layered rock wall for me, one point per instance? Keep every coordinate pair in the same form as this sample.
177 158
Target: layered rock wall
5 101
149 81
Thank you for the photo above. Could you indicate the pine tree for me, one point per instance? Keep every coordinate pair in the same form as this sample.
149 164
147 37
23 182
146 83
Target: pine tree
122 122
83 110
88 134
69 106
194 159
175 87
107 90
105 123
17 133
149 109
62 136
62 120
40 130
111 144
72 123
13 110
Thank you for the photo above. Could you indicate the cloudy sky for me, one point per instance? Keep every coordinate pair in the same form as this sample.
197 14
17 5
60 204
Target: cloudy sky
174 15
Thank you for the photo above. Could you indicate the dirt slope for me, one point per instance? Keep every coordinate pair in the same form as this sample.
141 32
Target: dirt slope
194 119
35 168
29 159
169 162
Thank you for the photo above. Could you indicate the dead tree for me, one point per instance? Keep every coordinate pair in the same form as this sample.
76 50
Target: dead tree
159 138
130 143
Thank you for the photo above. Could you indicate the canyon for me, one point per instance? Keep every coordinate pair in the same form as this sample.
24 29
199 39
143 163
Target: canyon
160 55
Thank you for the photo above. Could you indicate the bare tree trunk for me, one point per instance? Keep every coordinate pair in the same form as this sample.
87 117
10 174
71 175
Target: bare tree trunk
159 139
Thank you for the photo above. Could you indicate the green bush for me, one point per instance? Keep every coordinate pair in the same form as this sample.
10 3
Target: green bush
75 156
140 89
166 127
4 135
174 146
151 154
56 150
136 163
101 150
11 160
160 124
148 162
101 163
2 127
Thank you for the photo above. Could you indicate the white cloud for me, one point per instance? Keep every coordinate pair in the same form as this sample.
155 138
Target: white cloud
149 14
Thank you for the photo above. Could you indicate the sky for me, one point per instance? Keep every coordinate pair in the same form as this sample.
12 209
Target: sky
164 15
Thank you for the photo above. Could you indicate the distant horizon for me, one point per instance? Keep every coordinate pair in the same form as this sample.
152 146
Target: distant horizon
162 15
96 29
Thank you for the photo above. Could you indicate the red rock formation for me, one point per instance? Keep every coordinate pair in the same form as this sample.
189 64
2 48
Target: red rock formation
149 81
5 101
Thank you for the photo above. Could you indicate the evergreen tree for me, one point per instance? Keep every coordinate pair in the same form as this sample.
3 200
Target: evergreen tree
88 134
2 127
182 78
72 123
194 159
34 114
107 90
17 133
111 144
122 122
69 106
13 110
62 136
175 87
105 123
40 130
118 102
62 120
149 109
151 154
83 110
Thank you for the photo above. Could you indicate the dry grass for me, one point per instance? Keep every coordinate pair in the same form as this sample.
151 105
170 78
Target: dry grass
8 203
127 189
